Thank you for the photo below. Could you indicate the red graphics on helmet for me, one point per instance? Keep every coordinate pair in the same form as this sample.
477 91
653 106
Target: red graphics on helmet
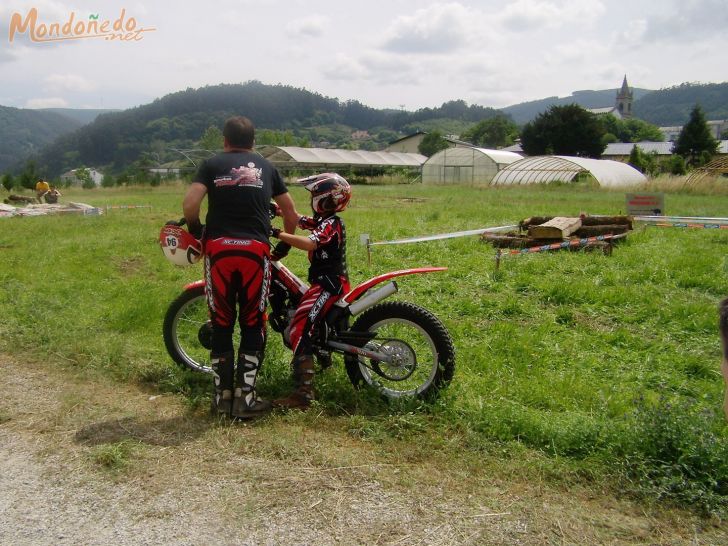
330 192
179 246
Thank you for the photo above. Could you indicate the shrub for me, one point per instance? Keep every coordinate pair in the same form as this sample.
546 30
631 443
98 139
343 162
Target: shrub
671 451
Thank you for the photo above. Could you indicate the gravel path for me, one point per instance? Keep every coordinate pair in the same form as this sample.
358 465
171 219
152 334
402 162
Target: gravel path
52 492
59 483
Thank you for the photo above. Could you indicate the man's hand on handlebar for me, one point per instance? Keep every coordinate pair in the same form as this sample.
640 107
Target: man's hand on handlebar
280 251
274 210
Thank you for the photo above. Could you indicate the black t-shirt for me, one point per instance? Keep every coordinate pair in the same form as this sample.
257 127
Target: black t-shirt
240 186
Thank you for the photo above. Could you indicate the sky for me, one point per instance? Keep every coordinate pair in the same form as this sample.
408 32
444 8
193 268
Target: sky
404 54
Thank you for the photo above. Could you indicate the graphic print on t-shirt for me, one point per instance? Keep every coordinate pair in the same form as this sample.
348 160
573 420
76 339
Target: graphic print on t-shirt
245 175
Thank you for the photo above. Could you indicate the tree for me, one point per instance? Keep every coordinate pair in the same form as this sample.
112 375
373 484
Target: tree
84 175
211 139
695 143
8 181
675 164
30 175
643 162
630 130
496 132
636 159
564 130
432 143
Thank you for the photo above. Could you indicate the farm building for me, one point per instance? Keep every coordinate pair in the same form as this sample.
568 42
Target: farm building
466 165
411 143
544 169
75 177
619 151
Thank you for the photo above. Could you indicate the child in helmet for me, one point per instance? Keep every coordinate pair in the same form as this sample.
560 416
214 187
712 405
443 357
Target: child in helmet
326 246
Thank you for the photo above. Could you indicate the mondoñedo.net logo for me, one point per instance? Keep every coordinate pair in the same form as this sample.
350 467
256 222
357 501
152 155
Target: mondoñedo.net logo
123 28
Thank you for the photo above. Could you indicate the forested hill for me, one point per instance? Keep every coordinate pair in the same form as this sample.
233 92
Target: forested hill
149 134
665 107
116 140
672 106
526 111
80 115
24 132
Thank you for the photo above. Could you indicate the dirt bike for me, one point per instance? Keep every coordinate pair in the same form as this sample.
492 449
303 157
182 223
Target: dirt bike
398 348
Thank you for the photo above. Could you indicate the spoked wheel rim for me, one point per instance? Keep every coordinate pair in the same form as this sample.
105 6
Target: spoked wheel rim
189 328
411 338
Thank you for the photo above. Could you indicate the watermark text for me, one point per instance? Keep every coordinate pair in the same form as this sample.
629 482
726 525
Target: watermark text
123 28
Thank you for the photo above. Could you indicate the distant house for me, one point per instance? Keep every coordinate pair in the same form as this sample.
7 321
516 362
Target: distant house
71 177
717 127
410 144
619 151
165 171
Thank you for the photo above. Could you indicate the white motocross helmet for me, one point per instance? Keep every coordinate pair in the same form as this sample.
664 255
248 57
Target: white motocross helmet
179 246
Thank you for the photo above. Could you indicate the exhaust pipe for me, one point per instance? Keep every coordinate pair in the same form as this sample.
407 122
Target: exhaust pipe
373 298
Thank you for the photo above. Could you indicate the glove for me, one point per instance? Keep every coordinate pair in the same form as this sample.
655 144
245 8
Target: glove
173 223
196 230
274 210
280 251
275 232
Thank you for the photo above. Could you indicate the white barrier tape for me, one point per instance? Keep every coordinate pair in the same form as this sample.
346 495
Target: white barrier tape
694 219
691 225
572 243
443 236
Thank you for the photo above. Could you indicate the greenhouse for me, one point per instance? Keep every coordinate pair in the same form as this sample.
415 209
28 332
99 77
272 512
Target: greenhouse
288 158
466 165
544 169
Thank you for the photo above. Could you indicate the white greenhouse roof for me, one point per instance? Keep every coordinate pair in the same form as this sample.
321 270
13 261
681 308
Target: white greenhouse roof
540 169
467 154
502 157
293 155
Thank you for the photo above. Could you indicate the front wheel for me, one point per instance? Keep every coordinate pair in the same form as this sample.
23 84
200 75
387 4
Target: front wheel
423 354
187 333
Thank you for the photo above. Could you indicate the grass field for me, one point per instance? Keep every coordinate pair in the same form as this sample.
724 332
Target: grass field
598 369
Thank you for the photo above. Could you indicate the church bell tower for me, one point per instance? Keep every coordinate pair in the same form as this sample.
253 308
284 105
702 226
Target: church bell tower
624 100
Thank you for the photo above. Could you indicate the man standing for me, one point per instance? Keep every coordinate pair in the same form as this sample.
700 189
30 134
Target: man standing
41 188
239 185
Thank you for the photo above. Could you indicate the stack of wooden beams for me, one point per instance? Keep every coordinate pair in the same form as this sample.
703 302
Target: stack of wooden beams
543 230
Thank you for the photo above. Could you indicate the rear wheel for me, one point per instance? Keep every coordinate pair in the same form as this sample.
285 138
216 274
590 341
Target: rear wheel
187 332
422 351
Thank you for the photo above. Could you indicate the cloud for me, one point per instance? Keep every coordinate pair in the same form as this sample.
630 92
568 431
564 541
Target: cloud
373 67
441 28
69 82
696 19
8 55
632 35
529 15
344 67
308 27
577 53
48 102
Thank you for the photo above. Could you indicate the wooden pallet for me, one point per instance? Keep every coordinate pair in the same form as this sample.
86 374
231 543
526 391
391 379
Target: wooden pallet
544 230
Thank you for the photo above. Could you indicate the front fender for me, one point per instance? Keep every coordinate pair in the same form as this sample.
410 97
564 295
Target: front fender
356 293
196 284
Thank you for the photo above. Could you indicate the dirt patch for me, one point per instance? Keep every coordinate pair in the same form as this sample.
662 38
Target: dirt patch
411 199
131 266
85 462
